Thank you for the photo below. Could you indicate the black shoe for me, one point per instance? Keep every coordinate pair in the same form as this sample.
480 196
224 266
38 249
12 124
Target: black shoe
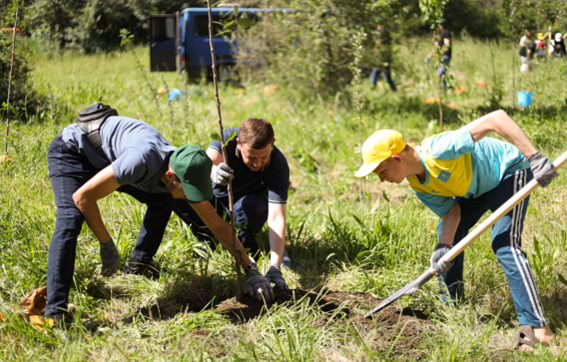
135 266
62 324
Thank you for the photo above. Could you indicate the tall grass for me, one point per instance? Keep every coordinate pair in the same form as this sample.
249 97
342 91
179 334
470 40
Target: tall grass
377 247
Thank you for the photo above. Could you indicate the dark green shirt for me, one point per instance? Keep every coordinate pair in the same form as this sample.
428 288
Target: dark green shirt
384 53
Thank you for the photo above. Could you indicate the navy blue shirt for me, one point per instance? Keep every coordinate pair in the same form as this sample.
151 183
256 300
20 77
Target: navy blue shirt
273 178
138 152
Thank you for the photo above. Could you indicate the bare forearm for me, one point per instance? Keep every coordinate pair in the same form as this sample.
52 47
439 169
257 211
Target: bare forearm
450 223
277 242
91 212
276 226
502 124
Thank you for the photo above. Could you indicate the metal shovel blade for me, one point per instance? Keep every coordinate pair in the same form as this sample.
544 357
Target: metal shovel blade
409 289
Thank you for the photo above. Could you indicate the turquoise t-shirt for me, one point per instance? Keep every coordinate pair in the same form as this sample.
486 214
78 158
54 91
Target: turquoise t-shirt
455 166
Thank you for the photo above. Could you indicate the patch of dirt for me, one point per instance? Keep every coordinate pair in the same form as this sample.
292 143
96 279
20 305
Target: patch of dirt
402 329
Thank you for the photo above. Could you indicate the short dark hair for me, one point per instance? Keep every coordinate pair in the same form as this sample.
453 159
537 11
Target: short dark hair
256 133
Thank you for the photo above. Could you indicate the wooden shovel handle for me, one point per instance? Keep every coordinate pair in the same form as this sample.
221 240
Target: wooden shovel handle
502 210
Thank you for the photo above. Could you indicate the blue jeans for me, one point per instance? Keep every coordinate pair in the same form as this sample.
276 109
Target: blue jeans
68 171
442 68
386 75
250 213
506 244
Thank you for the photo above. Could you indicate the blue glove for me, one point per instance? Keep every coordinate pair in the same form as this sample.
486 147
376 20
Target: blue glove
440 268
543 169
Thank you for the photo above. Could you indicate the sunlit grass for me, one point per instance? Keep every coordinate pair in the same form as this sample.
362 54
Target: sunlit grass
334 241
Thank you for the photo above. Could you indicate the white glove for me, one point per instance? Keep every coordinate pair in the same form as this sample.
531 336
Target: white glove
440 267
222 174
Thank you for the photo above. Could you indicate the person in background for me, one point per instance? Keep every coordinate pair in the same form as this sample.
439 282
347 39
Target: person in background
557 45
444 42
527 48
461 175
541 45
383 51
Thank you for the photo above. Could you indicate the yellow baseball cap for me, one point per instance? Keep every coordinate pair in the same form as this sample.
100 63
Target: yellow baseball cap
540 36
379 147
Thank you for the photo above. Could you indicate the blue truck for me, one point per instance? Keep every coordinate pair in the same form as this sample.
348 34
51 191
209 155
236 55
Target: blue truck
180 42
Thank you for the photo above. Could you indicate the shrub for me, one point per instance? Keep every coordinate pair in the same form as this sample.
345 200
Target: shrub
23 98
94 25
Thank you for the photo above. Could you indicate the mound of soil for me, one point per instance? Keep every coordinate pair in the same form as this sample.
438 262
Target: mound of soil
402 329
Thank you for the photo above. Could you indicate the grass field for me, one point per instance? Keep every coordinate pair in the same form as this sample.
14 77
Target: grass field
336 241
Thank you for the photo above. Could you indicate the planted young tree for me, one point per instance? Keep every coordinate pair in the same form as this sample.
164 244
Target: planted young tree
10 78
512 13
220 137
432 11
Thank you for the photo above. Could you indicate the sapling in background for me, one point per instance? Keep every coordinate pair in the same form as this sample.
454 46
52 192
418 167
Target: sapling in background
356 71
432 11
10 81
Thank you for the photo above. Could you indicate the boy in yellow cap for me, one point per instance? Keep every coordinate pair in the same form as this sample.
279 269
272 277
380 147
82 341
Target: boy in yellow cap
460 175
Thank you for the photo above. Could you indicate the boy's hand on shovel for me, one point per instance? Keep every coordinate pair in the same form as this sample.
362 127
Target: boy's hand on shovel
543 169
443 266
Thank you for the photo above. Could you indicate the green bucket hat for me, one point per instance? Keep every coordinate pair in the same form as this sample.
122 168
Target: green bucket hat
193 167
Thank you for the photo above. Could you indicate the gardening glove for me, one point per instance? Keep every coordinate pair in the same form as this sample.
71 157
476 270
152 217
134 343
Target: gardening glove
110 258
257 284
222 174
426 60
543 169
274 275
440 268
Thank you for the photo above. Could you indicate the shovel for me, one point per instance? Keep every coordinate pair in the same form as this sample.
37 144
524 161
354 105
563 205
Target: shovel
410 288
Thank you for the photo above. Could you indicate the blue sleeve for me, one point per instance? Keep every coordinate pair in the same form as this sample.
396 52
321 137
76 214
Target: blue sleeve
130 167
453 144
440 205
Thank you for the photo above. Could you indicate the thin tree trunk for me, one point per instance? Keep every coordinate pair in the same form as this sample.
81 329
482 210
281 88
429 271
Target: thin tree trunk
225 156
10 78
513 65
440 106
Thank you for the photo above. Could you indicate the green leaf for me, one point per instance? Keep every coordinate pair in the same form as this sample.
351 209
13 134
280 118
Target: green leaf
562 278
245 23
215 136
232 135
536 246
226 25
235 10
358 221
385 196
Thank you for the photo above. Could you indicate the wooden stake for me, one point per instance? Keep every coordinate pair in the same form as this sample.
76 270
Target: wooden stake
10 79
225 156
